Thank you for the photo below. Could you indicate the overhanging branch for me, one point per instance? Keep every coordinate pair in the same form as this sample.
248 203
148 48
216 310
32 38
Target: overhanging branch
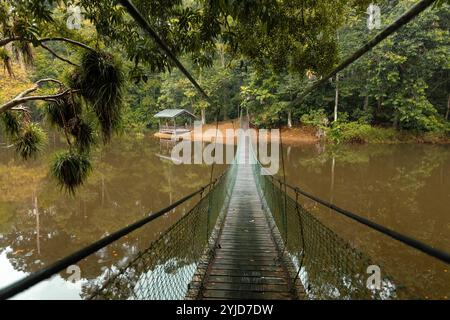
58 56
74 42
24 97
143 23
5 41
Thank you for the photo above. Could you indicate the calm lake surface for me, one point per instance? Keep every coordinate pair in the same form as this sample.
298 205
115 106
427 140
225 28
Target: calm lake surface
404 187
40 224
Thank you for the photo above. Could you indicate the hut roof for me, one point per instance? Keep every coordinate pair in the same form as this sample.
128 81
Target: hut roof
172 113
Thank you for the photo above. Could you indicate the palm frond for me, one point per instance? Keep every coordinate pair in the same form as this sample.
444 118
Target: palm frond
25 49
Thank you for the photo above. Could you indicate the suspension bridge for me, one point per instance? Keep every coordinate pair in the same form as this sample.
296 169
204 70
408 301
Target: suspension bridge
247 237
247 262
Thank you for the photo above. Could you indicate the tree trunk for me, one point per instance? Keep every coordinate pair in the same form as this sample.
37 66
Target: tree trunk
448 108
366 103
225 116
103 190
336 99
203 116
289 119
222 55
395 124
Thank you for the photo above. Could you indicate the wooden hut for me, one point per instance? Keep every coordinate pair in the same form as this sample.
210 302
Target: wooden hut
175 122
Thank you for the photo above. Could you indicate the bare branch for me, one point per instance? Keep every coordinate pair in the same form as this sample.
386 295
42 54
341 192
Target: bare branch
40 82
24 96
21 108
25 111
36 86
26 92
5 41
76 43
58 56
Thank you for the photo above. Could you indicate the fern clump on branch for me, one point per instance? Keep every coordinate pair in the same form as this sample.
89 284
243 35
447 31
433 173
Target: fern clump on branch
30 141
100 80
11 123
62 110
6 59
83 132
71 169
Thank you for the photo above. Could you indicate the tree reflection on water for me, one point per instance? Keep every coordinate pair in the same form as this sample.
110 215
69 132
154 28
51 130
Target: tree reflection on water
40 224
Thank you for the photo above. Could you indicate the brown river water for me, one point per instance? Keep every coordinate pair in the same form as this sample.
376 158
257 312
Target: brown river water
404 187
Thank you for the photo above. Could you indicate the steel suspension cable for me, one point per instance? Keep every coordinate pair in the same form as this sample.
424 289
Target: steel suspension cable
75 257
144 24
284 179
407 240
141 21
215 142
391 29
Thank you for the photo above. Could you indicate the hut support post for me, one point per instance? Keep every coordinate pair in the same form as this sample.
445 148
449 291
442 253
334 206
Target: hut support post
175 128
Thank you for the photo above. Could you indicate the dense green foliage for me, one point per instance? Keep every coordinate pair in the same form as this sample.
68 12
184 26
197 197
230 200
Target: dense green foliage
252 56
404 82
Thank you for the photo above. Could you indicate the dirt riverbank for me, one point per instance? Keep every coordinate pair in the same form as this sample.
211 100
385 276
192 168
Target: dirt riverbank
208 133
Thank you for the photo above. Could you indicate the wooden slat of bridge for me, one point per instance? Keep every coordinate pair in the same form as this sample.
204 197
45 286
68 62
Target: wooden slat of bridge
246 263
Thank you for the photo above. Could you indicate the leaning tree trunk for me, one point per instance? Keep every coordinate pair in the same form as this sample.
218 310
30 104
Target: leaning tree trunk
289 119
203 116
336 99
395 122
366 103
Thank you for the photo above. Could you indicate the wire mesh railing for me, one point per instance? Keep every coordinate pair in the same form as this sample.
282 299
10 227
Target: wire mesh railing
164 270
327 265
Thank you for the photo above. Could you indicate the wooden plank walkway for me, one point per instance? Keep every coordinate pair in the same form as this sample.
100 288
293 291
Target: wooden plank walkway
246 263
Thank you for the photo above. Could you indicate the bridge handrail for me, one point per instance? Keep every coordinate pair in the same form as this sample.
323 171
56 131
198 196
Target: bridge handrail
62 264
407 240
